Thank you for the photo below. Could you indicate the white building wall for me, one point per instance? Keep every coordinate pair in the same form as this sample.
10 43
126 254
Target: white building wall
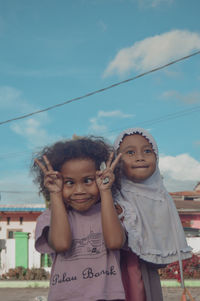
194 243
25 227
34 256
10 254
3 261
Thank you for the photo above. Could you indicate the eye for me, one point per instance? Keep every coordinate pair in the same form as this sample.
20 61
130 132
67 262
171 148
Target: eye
148 151
130 152
68 182
89 180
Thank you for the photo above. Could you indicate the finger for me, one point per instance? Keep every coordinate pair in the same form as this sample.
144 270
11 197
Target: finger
48 164
107 176
103 176
115 162
53 174
108 163
52 177
106 180
99 173
41 166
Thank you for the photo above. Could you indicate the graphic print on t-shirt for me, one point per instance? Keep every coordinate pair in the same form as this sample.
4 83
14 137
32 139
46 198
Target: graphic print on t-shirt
91 246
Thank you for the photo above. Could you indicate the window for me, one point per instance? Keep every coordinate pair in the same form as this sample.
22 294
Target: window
46 260
8 220
192 232
188 198
10 232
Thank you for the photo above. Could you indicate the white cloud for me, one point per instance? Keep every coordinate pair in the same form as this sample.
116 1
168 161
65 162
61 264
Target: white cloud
153 3
33 131
176 185
10 97
95 126
115 113
153 52
181 172
173 73
102 25
190 98
98 124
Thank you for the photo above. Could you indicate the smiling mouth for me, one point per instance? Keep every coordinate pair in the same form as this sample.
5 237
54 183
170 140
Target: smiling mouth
81 200
140 167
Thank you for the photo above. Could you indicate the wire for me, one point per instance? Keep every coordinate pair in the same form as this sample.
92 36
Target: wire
144 123
161 119
172 116
101 90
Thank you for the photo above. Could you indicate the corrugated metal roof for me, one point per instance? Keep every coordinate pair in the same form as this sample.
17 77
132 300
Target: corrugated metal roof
23 208
188 207
186 193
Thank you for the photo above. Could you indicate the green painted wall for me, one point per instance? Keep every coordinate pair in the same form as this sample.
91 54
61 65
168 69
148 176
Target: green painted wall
21 249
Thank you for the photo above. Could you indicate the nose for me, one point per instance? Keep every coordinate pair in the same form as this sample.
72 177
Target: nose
79 188
139 156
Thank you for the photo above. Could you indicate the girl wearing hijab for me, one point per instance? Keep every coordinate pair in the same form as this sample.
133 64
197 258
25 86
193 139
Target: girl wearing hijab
154 230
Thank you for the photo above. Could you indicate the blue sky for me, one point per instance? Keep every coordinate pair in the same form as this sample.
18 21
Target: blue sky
52 51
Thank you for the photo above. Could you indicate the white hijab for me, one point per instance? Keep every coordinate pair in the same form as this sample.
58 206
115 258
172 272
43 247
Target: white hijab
155 232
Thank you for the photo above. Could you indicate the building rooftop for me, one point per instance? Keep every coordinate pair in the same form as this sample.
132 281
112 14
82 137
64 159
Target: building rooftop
22 208
189 206
192 193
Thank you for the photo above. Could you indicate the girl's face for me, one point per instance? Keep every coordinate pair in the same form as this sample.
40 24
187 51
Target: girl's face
138 158
80 190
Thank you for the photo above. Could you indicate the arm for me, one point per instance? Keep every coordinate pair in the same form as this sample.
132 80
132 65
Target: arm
113 231
59 234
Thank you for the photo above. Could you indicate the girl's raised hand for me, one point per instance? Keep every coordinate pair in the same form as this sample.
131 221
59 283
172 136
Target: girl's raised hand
106 177
53 180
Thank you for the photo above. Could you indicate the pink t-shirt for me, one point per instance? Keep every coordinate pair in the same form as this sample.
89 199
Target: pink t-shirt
88 271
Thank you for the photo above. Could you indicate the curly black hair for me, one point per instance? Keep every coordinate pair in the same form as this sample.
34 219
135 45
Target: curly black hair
89 147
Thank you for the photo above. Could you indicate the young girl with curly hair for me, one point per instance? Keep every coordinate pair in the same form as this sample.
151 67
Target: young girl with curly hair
81 229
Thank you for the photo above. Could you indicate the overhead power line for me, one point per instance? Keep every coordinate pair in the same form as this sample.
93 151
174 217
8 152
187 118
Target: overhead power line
149 122
171 116
162 118
101 90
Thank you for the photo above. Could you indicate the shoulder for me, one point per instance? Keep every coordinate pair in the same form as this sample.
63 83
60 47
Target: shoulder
43 221
44 216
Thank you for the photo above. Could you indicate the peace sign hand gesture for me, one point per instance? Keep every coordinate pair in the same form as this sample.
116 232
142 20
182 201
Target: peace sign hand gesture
53 180
106 177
